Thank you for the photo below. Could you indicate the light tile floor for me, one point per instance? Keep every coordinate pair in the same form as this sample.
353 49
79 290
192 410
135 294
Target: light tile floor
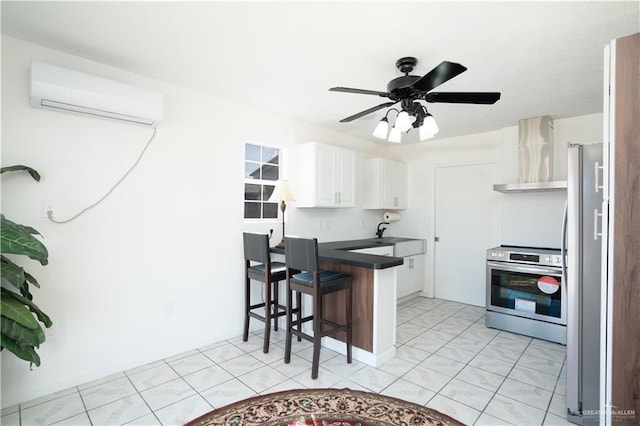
446 359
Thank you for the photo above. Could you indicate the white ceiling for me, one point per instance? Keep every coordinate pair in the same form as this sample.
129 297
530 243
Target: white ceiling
546 58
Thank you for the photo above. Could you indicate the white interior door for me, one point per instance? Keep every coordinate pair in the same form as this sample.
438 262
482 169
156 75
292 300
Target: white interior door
466 225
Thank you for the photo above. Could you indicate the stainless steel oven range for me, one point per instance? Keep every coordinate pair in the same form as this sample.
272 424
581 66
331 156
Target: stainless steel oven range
525 292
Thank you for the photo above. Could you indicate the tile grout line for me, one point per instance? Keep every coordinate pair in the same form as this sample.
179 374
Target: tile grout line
197 392
477 353
505 379
216 364
141 397
553 393
546 411
467 364
444 308
84 405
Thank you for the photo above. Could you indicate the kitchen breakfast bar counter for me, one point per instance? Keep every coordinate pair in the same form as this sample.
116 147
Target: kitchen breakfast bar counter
373 298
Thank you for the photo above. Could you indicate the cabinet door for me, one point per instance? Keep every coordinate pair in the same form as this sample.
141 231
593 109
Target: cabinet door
410 276
371 183
399 182
417 273
394 185
403 279
326 176
345 168
386 184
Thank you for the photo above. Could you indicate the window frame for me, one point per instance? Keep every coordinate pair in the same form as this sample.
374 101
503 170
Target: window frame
261 182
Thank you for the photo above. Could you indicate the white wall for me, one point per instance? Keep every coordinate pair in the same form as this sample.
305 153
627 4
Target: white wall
156 269
527 219
534 219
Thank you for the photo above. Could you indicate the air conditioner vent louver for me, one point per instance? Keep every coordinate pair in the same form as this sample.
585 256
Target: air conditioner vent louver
75 92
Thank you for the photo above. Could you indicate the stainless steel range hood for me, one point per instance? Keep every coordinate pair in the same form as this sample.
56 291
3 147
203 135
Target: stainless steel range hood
535 158
557 185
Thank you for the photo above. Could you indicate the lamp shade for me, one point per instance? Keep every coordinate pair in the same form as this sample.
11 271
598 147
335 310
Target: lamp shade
285 191
430 124
403 122
395 135
382 129
425 133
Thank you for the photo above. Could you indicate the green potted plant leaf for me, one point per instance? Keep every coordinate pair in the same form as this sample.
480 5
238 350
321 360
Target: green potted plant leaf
21 319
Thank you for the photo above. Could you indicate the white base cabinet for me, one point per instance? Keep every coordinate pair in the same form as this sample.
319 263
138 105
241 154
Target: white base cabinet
410 276
385 184
326 176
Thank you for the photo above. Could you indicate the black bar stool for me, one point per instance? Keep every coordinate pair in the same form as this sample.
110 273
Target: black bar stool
256 249
302 254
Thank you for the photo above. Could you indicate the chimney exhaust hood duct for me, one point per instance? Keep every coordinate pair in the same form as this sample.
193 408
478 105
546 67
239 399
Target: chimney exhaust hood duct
535 158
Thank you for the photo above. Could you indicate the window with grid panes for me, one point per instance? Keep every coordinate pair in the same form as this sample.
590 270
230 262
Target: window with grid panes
261 173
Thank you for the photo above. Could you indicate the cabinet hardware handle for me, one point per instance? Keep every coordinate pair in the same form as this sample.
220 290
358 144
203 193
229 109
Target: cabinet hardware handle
437 239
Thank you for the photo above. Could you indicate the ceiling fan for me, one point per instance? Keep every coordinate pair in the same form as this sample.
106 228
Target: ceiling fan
409 89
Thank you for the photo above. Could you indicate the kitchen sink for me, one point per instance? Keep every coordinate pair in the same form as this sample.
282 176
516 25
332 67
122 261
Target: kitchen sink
392 246
402 246
392 240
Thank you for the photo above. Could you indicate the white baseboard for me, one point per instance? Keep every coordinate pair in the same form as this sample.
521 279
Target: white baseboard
358 354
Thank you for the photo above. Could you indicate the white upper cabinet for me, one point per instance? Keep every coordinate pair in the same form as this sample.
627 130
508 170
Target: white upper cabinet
385 184
326 176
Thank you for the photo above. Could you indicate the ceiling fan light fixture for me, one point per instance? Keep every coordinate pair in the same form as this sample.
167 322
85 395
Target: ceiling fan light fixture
403 121
425 133
382 129
395 135
408 89
430 124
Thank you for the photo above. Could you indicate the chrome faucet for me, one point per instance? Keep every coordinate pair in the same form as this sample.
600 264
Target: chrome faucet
380 231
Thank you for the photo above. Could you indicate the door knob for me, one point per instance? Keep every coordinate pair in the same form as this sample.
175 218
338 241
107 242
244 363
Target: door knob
437 239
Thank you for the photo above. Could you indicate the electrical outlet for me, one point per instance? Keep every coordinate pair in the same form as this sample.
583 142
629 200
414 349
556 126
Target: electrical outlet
169 307
328 223
46 208
320 225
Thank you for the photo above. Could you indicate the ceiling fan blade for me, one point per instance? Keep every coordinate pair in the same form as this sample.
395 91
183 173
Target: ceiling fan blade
463 97
359 91
367 112
443 72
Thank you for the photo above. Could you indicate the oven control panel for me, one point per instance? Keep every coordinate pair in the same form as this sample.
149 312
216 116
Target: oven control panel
495 255
531 256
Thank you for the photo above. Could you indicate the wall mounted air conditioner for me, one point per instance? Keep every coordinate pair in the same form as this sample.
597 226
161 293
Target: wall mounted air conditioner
72 91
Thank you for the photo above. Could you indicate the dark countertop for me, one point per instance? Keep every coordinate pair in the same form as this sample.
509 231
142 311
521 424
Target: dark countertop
338 252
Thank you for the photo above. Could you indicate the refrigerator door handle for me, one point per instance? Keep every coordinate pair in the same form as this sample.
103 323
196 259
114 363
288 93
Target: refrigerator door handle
596 234
563 243
597 167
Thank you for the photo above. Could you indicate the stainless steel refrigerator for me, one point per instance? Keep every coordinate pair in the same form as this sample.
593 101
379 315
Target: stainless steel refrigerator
582 245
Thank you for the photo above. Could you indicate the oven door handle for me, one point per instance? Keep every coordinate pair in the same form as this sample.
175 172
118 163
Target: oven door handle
529 269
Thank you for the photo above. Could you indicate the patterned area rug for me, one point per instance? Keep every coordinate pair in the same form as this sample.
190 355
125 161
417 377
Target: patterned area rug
323 407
